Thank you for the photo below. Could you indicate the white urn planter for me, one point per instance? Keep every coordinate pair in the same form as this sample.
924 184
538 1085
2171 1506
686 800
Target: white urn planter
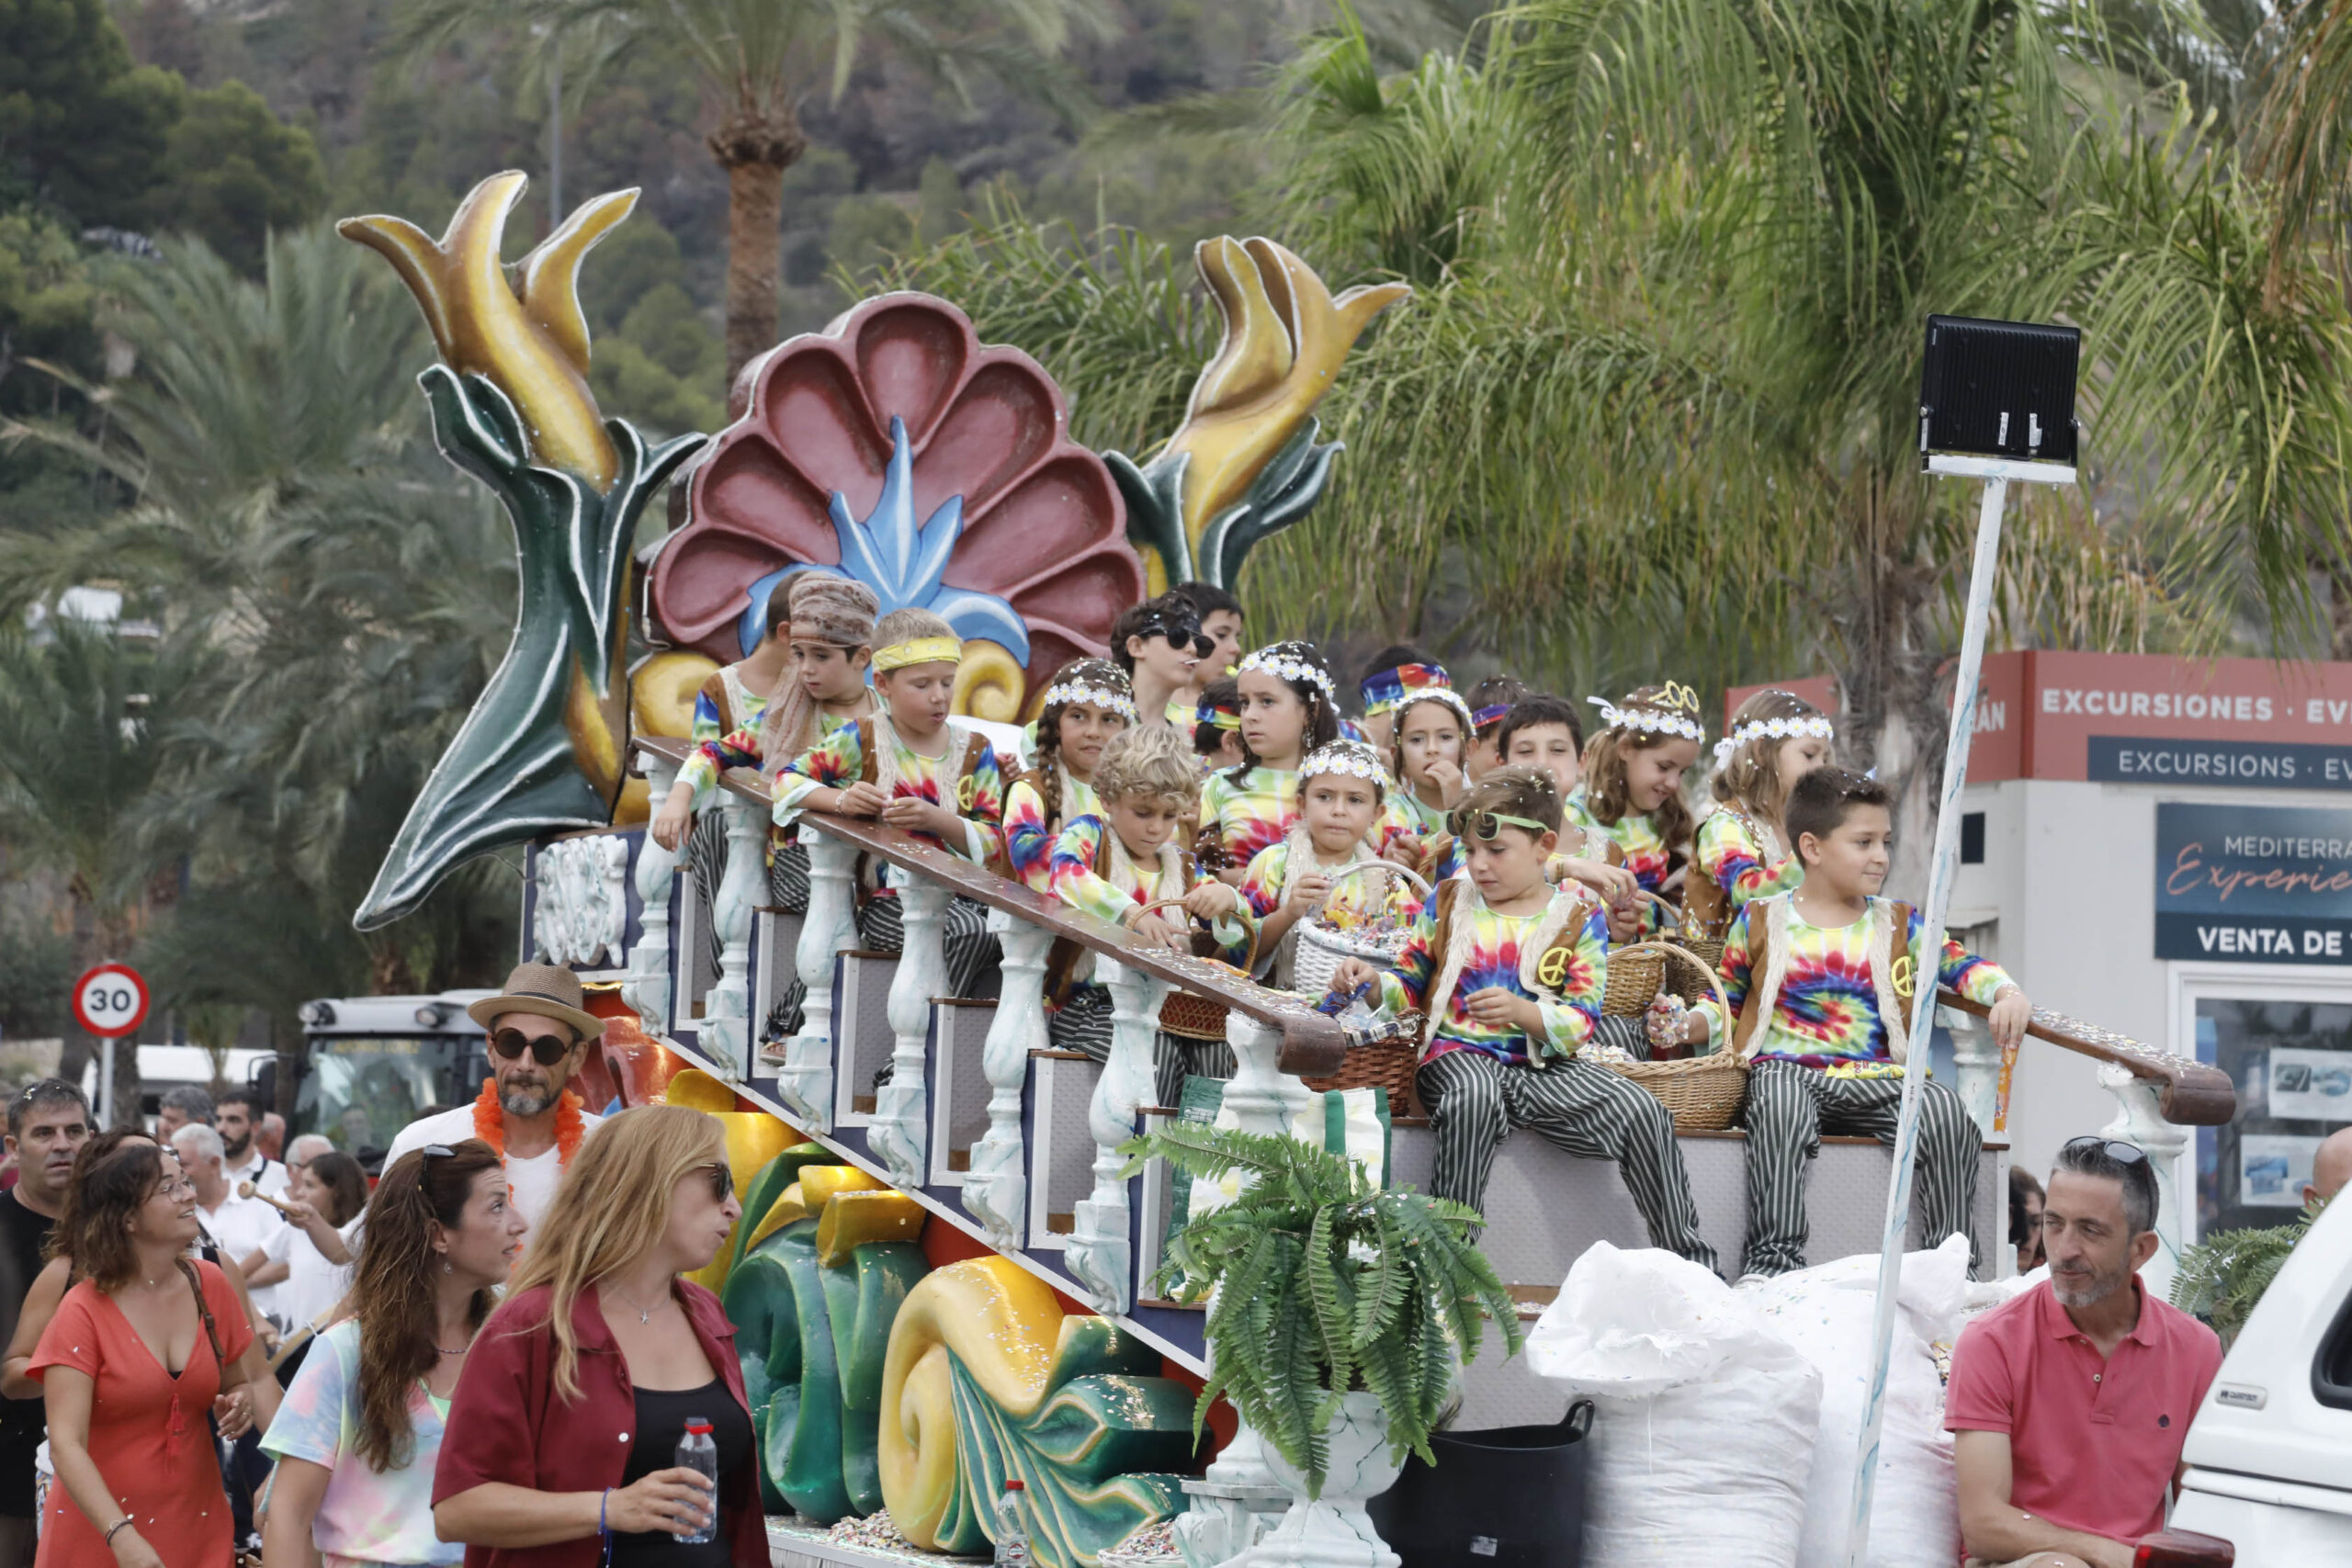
1333 1530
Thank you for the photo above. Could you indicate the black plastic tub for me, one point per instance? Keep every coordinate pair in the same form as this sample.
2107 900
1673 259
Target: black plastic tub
1512 1498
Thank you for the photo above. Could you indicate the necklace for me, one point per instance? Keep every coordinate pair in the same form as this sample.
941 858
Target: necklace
644 1314
459 1351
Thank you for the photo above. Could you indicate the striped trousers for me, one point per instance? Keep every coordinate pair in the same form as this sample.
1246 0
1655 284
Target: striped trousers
788 891
1474 1101
1083 1024
972 950
1790 1106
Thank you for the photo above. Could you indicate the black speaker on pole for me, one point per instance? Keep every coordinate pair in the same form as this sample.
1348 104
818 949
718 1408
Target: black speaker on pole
1998 389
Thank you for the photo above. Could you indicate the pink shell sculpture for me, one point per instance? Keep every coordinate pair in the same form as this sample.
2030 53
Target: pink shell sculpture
897 412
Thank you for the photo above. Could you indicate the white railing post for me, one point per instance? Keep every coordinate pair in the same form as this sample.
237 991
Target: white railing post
1238 1498
1100 1253
996 1190
805 1078
725 1032
900 1132
647 987
1977 1063
2140 1122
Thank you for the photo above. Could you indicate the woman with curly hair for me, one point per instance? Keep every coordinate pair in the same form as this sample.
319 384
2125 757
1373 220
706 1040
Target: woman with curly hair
359 1433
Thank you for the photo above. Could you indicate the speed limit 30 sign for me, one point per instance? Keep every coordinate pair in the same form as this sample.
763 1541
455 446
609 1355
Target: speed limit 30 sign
110 1002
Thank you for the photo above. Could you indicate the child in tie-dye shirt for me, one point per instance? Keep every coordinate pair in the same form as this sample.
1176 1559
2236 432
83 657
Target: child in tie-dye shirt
1510 971
1088 704
1775 738
1632 794
909 768
1820 984
1116 867
1288 709
1342 785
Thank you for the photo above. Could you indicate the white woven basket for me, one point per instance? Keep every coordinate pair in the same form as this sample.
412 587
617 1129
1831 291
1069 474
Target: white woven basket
1320 949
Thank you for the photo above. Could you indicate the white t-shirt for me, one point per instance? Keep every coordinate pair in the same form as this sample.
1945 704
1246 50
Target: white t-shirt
364 1516
313 1285
242 1226
272 1180
530 1183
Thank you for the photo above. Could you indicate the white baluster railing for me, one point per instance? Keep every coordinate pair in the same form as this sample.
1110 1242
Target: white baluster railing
2142 1123
1977 1061
1100 1253
804 1078
725 1030
899 1131
647 987
996 1189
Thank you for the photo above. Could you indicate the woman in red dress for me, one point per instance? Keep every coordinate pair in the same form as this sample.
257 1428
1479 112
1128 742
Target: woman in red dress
130 1367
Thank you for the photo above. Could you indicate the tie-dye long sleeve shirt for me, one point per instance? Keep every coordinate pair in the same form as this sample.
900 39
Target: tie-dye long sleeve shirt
1029 830
1569 1014
1826 1014
1647 854
1729 853
717 747
836 762
1078 874
1366 899
1242 819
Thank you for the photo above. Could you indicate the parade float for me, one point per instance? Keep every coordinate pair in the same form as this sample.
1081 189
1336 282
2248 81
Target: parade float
961 1276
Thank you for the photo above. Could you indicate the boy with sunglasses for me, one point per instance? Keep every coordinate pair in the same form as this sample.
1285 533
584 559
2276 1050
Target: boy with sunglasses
1819 983
1509 970
539 1036
1160 645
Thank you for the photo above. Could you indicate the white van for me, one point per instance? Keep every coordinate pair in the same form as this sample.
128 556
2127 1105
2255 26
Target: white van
2270 1456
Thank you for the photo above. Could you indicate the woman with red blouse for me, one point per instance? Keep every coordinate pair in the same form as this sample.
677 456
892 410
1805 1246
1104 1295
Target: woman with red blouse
566 1422
138 1352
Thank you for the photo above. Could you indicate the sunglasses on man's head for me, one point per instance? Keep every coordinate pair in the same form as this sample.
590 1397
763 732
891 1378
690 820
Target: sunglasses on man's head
2120 1152
1488 826
547 1050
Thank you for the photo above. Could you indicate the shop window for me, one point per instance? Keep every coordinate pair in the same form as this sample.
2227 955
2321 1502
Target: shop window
2292 1064
1972 838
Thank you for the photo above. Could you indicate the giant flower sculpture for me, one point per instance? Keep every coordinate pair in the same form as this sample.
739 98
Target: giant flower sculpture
893 448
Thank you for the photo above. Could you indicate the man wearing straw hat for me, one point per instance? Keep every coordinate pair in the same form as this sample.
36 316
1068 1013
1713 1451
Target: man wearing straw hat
539 1038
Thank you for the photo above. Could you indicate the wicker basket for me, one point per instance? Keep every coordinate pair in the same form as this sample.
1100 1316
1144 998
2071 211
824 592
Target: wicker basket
1703 1093
1708 951
1387 1062
1636 970
1320 949
1188 1014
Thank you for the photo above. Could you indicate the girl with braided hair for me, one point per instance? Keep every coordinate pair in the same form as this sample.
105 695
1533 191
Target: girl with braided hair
1089 703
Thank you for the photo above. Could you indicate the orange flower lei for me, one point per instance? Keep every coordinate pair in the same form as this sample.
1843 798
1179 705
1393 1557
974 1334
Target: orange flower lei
490 1123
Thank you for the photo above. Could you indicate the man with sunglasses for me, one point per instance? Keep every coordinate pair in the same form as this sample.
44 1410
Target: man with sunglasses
2070 1403
539 1034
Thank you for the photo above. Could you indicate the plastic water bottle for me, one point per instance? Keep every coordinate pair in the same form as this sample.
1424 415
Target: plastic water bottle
1011 1527
697 1452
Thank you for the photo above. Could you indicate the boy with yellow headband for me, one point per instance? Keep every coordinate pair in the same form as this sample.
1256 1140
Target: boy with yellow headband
1509 971
909 769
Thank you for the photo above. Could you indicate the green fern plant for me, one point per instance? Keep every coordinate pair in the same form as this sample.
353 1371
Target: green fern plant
2224 1277
1327 1284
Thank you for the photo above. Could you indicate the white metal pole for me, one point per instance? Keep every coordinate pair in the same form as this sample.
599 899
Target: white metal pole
1923 1009
106 1082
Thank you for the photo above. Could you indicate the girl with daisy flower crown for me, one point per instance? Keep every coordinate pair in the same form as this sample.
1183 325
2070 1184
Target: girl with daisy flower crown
1088 702
1289 708
1429 755
1742 853
1631 793
1341 791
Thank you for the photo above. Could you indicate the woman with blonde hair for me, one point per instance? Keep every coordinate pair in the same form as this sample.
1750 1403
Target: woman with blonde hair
562 1435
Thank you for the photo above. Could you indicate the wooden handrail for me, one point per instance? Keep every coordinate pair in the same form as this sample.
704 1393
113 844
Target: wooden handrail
1314 1044
2190 1093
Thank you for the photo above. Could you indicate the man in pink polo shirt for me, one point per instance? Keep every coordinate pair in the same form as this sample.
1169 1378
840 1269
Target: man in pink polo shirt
2070 1403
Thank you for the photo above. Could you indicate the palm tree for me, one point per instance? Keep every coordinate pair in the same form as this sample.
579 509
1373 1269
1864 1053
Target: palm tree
1652 410
757 60
81 749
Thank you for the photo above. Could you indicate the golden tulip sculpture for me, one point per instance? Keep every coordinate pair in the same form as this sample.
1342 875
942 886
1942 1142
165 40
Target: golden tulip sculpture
1245 464
545 748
